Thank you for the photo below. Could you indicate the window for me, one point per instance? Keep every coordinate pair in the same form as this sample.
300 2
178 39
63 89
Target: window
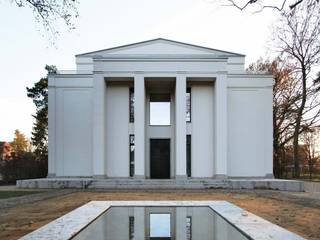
189 228
160 225
160 109
188 107
131 105
131 228
131 151
188 155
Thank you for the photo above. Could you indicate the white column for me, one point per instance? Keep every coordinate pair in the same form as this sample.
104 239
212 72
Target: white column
180 126
98 148
268 93
221 126
139 126
51 128
139 222
181 223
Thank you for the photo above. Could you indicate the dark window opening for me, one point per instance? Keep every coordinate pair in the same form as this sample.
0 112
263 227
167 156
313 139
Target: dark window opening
131 150
131 105
188 107
131 228
188 155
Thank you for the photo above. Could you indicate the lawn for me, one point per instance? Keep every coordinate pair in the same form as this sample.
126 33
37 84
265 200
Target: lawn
297 212
10 194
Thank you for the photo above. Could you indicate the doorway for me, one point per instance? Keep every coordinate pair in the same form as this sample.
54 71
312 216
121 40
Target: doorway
160 158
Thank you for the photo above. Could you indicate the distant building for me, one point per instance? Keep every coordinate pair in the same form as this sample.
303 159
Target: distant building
5 150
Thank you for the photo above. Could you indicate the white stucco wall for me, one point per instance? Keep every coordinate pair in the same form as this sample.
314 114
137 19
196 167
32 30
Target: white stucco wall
73 131
117 131
249 129
202 107
84 64
202 223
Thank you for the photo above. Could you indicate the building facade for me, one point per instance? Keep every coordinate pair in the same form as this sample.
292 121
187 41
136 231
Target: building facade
160 109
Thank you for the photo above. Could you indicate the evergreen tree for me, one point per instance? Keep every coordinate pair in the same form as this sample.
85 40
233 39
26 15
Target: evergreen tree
20 143
39 94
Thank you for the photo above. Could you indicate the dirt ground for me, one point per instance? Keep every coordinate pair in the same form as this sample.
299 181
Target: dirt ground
297 212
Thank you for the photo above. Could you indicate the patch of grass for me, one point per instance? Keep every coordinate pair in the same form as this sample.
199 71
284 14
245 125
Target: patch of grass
10 194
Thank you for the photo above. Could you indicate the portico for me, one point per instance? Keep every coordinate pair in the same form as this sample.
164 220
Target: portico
160 109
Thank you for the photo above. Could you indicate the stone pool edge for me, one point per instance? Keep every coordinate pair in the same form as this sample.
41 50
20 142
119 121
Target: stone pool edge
68 225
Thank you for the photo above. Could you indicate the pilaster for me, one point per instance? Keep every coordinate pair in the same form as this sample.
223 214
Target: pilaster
221 122
98 148
180 126
139 126
51 128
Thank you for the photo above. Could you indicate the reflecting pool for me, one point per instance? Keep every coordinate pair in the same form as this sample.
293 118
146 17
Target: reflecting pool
160 223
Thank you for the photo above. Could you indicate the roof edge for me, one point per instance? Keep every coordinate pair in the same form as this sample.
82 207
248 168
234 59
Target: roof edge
160 39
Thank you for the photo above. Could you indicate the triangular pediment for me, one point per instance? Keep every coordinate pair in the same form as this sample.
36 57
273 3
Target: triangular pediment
160 47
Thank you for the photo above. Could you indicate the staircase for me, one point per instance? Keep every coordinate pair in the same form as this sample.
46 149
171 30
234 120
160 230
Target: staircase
158 184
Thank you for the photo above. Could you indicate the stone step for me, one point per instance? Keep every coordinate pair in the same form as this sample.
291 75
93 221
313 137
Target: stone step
158 184
82 183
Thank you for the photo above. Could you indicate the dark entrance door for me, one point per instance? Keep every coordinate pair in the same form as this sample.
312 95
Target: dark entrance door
160 158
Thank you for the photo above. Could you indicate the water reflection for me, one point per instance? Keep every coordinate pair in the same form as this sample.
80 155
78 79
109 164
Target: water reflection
165 223
160 225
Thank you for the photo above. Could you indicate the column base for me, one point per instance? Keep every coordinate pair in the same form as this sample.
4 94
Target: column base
220 176
51 175
139 177
101 176
269 175
181 177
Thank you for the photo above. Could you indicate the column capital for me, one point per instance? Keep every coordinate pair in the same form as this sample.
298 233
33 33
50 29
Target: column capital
181 72
222 72
138 73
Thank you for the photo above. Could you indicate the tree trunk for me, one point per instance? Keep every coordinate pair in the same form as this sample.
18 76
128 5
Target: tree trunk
276 160
298 123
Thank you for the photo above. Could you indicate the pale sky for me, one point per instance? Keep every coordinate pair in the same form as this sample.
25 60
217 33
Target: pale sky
109 23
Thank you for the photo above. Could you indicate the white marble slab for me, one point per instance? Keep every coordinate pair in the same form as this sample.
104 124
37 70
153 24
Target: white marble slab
249 224
70 224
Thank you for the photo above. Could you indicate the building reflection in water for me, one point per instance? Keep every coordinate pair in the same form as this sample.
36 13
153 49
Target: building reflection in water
160 223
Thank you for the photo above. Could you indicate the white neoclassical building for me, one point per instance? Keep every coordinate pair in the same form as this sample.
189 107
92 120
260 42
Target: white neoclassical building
160 109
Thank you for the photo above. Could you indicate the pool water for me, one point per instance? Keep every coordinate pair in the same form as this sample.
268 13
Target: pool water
160 223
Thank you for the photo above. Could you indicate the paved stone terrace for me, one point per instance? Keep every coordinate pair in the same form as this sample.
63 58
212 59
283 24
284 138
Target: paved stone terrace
90 183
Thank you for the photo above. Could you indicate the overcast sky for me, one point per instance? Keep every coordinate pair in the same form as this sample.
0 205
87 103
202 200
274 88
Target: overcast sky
109 23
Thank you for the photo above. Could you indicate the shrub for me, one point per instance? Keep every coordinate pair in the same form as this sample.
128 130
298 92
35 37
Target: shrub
23 166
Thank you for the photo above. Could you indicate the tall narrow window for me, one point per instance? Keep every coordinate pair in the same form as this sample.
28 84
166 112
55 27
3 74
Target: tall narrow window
131 150
188 107
131 105
131 228
189 228
188 155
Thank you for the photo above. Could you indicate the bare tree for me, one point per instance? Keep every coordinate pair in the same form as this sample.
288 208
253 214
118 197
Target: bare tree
263 4
51 12
285 99
297 38
309 139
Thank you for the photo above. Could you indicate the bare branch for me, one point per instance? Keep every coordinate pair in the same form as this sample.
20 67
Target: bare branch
263 6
